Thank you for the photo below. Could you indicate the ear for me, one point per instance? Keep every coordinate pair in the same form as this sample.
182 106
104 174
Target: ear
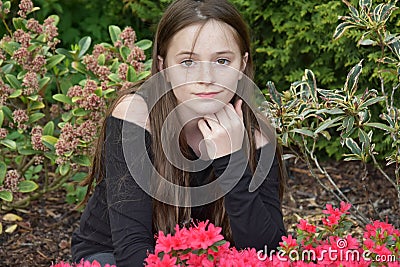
161 68
244 64
160 63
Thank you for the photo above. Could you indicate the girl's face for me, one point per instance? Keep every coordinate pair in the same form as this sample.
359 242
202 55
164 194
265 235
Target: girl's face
204 65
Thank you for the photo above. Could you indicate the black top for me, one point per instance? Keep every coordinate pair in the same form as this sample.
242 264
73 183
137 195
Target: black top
118 216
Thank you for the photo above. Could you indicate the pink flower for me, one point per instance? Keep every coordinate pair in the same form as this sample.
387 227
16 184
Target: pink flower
164 243
3 133
128 36
200 237
344 207
288 242
305 226
25 7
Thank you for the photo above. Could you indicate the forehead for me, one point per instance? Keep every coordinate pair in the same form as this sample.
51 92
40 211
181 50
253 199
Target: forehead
201 38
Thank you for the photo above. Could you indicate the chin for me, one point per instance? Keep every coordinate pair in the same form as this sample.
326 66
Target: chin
206 107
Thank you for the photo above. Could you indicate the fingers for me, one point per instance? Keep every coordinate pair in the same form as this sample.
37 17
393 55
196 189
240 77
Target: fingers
204 129
238 108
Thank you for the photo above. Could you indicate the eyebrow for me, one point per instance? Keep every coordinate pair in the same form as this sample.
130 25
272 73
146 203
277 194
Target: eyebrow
194 54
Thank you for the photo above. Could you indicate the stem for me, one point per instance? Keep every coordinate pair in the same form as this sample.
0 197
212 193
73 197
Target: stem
25 168
366 179
376 164
25 201
8 29
307 153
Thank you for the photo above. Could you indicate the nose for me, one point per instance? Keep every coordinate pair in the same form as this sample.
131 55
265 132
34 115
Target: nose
206 73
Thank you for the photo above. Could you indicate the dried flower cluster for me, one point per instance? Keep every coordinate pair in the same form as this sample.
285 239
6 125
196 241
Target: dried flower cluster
20 117
36 139
88 100
11 181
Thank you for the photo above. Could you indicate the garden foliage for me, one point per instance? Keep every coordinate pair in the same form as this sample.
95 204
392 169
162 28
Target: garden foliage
306 114
52 103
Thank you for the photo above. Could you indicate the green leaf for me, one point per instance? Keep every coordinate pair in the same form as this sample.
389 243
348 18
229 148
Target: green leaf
371 101
9 143
78 66
124 51
310 77
210 257
27 186
53 61
11 47
65 52
274 94
13 81
36 105
49 139
144 44
348 123
51 156
131 74
7 5
84 45
380 126
7 68
364 138
365 4
3 171
35 117
16 94
43 82
82 160
1 117
353 146
352 79
114 77
114 31
304 131
80 112
219 243
341 28
214 248
63 98
56 19
48 129
18 23
66 116
78 177
327 124
101 59
6 196
64 169
143 75
27 152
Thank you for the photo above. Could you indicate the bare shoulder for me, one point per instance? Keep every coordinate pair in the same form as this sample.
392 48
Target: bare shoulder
260 138
133 108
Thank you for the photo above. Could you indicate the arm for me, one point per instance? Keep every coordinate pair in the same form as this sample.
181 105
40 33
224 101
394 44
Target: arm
129 207
255 217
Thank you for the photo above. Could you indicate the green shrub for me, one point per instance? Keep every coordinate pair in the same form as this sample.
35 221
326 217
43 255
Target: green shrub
52 102
306 114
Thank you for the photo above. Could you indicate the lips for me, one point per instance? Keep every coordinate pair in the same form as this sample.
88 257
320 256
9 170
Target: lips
207 94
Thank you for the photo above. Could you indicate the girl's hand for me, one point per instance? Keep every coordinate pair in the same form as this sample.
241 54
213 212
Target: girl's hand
223 131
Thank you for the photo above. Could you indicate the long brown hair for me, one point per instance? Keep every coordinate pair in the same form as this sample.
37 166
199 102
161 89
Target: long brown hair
180 14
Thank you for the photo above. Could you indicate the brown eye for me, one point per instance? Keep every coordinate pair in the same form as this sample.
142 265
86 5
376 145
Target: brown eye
187 63
223 61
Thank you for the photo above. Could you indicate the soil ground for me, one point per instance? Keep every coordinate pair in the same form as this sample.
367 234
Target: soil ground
43 237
